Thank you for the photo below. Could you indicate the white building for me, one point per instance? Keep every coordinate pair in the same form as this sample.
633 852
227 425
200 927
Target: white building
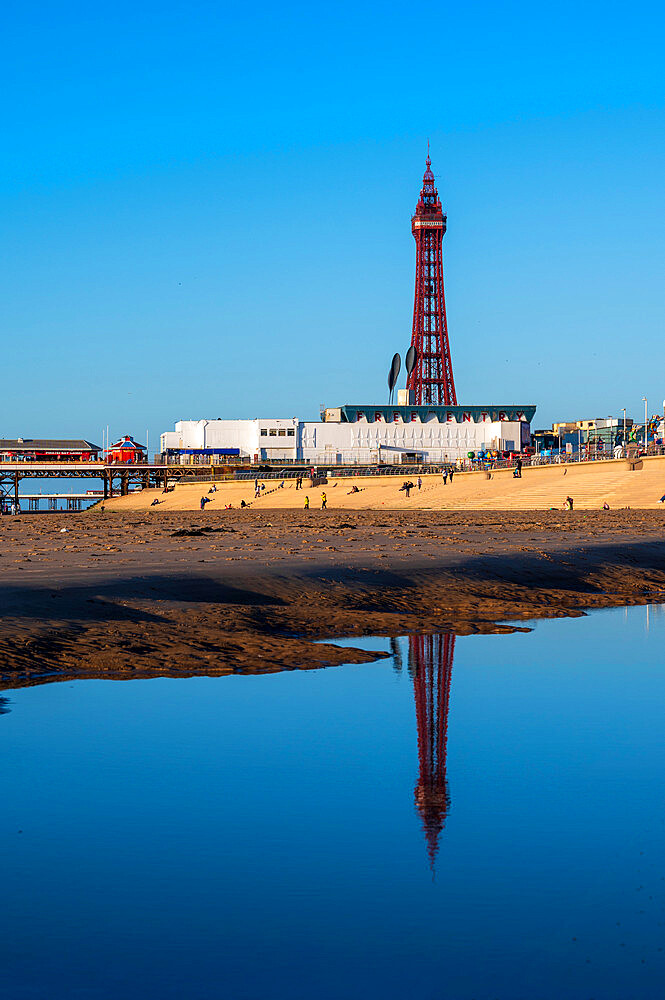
356 435
256 440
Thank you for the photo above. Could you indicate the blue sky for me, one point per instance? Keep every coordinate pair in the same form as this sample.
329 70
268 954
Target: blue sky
205 208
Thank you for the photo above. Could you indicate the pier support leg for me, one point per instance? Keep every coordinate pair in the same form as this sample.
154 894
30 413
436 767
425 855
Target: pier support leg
106 487
124 484
16 501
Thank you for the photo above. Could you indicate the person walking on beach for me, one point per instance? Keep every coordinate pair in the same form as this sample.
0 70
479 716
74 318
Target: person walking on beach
451 476
306 503
420 483
444 473
324 502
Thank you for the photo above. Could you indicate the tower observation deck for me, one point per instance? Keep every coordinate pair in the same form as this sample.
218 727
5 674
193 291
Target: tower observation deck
432 378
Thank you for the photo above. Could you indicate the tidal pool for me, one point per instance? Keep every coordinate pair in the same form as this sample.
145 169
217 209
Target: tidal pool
480 817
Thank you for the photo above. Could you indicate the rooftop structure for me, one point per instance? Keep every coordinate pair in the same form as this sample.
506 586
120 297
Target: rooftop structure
351 413
126 450
48 449
596 423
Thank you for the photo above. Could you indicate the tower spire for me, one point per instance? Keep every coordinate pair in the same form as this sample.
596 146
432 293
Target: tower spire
432 378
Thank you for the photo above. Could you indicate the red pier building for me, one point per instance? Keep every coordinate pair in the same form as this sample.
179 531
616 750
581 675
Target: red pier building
127 451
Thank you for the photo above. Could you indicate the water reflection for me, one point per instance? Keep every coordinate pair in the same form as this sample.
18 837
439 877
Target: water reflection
163 817
430 666
4 706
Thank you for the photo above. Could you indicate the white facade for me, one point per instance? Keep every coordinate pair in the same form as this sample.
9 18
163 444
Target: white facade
364 442
366 439
269 439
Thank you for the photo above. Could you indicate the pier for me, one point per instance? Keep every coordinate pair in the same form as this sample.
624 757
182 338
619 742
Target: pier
116 479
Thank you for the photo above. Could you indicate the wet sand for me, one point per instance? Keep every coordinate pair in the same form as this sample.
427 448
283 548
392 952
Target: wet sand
177 594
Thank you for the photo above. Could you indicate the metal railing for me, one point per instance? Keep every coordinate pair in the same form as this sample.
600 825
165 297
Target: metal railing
334 472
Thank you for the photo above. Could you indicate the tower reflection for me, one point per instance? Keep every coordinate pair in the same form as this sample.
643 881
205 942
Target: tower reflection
431 665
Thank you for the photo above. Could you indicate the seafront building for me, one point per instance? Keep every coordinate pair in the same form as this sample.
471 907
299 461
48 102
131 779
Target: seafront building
48 450
427 425
595 434
127 451
356 435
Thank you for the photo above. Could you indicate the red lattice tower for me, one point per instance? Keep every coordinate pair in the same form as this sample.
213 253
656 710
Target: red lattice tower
431 664
432 378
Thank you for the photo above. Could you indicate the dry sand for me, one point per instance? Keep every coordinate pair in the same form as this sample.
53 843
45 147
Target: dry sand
157 592
590 484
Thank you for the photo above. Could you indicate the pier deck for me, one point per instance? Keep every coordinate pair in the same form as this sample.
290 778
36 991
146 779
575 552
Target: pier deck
115 477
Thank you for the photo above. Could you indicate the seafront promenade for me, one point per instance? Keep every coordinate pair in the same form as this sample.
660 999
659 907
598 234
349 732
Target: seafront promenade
540 488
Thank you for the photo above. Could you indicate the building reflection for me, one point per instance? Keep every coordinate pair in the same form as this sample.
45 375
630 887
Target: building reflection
430 666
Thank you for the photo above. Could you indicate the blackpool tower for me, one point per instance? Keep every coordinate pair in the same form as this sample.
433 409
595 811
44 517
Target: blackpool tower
432 378
431 666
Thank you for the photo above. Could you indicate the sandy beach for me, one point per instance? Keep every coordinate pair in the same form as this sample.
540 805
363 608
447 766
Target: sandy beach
591 484
176 593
